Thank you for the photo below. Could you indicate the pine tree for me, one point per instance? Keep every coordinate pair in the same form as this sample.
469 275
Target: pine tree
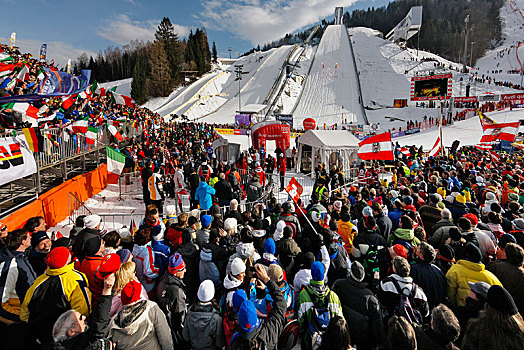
215 54
166 34
139 84
160 77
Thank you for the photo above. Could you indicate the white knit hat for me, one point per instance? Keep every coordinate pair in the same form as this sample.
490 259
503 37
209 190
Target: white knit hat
237 266
206 291
92 221
170 210
279 231
490 196
230 223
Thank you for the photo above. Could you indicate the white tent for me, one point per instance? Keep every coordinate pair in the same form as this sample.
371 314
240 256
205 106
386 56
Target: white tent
228 147
338 147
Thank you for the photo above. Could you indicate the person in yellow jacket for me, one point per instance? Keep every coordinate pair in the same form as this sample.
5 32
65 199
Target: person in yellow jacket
469 270
59 289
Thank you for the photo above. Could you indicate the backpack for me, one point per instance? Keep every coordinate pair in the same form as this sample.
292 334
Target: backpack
338 265
370 259
321 317
406 302
289 336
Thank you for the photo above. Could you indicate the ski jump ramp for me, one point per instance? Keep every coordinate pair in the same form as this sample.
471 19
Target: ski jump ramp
331 92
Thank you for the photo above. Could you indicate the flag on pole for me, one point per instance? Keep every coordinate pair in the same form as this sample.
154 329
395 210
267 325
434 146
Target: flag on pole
6 69
378 147
80 126
67 102
68 67
95 89
91 135
115 164
43 52
503 131
122 100
5 57
85 94
22 75
436 148
23 108
485 120
405 151
483 146
133 228
12 42
34 139
114 131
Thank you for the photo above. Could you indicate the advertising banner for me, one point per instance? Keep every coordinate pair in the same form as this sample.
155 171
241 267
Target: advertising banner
285 119
465 99
512 97
433 87
243 119
16 160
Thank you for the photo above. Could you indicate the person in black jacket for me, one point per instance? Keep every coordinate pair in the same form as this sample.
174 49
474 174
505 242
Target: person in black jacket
224 190
146 173
255 333
91 229
191 255
361 309
384 223
441 333
428 276
172 299
71 331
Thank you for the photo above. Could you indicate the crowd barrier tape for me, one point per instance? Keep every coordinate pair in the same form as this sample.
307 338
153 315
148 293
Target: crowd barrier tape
53 205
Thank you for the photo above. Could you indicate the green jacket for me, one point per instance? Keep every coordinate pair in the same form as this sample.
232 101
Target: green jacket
405 235
312 292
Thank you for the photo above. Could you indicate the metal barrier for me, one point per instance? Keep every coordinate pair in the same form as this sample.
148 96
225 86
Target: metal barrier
129 183
115 221
76 208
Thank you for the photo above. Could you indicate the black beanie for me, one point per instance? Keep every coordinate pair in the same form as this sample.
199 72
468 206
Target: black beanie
473 253
446 252
500 299
92 246
38 237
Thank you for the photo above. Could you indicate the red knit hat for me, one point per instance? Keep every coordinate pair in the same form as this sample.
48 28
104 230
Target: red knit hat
110 264
398 250
57 257
472 218
131 293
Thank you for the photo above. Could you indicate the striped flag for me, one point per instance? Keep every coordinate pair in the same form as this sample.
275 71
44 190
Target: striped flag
133 228
91 135
378 147
495 157
436 148
22 75
115 164
34 139
23 108
405 151
502 131
483 146
67 102
80 126
122 100
114 131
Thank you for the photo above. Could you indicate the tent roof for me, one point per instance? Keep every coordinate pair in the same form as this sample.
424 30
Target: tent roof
329 139
242 140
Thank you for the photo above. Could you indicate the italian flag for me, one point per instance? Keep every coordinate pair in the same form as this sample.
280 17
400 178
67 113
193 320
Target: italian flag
67 102
115 164
24 108
6 69
91 135
4 57
94 88
22 75
122 100
85 94
114 131
80 126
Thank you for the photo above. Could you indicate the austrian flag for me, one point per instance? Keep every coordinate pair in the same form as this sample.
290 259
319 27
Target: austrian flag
378 147
405 151
503 131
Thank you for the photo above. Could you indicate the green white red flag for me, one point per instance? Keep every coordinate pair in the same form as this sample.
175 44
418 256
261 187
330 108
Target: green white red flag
115 164
91 135
114 131
122 100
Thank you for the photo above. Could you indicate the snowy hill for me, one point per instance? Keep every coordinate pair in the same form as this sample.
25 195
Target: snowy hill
509 56
122 86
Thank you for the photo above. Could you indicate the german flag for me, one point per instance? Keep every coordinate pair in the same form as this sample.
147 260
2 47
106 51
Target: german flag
34 139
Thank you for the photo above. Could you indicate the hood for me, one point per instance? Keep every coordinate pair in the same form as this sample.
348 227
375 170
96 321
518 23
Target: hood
187 249
138 249
172 280
231 282
206 255
202 186
471 265
405 283
345 217
245 250
318 288
5 254
258 233
405 234
201 316
128 320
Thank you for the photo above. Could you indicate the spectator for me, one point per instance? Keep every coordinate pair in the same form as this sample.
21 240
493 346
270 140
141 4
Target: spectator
430 213
40 247
442 332
337 335
92 224
204 194
440 233
401 335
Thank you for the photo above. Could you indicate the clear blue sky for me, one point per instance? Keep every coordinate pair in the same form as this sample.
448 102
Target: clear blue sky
72 27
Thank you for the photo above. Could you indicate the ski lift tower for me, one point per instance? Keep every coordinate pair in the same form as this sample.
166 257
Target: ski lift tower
339 13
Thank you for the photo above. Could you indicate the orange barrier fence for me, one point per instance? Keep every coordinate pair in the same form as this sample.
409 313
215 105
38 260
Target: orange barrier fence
54 204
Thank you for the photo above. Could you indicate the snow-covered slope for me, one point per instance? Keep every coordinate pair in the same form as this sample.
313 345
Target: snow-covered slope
509 56
122 86
330 93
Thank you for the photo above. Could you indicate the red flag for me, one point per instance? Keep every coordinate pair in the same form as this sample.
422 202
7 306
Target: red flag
67 102
294 189
503 131
378 147
436 148
405 151
495 157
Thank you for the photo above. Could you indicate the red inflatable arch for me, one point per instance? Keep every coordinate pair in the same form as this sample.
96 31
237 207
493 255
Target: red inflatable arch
273 130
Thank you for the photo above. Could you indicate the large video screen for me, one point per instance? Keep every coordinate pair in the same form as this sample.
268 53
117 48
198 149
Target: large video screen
435 87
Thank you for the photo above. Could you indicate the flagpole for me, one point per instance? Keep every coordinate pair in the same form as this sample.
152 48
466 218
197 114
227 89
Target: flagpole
440 130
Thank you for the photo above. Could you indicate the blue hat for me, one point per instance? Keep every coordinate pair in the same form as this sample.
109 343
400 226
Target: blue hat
124 255
269 246
206 220
247 317
317 271
238 298
408 200
505 239
176 263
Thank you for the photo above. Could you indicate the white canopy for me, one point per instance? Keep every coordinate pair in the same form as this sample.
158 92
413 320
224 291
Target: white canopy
227 147
338 147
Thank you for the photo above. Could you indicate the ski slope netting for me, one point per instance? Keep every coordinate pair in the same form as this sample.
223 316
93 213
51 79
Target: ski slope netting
330 93
256 85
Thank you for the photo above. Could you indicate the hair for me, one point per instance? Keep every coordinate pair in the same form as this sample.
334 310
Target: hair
376 207
182 219
151 210
142 236
336 336
213 235
514 254
191 221
494 218
79 222
464 224
401 335
445 324
124 275
233 204
246 236
370 222
186 235
427 251
420 233
402 267
63 324
15 238
445 214
33 223
222 176
406 222
111 239
496 330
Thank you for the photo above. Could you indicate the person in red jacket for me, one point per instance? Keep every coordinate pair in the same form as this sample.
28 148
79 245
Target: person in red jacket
282 171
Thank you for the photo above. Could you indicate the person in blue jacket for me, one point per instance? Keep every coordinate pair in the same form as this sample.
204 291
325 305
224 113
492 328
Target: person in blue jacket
204 194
